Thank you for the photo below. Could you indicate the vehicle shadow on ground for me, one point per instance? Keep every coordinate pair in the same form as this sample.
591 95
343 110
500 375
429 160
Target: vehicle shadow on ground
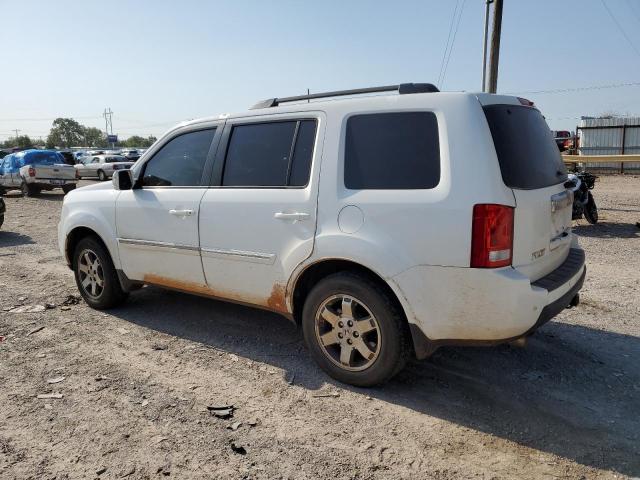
14 239
607 230
51 196
573 392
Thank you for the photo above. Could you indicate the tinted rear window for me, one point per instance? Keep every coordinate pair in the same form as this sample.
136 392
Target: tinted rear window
275 154
528 155
392 151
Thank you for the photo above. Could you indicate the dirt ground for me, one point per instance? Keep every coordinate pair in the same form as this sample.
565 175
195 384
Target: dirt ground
136 381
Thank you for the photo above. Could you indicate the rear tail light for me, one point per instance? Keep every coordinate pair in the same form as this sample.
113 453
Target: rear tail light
491 236
32 172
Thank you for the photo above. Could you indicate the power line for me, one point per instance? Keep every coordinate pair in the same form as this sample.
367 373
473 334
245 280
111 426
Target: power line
635 49
44 119
576 89
453 41
446 47
632 8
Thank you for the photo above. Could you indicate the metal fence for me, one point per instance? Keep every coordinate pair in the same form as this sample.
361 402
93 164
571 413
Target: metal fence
610 136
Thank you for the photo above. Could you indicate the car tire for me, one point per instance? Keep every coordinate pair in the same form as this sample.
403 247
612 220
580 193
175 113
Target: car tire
591 210
355 330
95 275
101 176
1 219
27 190
67 188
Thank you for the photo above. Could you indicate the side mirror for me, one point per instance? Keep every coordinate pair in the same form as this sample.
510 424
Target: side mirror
122 180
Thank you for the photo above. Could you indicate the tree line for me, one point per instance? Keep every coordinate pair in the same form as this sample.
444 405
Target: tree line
66 132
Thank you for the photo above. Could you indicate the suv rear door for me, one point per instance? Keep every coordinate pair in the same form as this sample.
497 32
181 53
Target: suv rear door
258 219
532 167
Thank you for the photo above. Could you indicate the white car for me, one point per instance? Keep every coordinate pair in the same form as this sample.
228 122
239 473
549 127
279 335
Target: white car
33 171
386 226
101 166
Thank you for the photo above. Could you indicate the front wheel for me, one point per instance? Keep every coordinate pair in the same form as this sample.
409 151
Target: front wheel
101 176
591 210
96 276
354 330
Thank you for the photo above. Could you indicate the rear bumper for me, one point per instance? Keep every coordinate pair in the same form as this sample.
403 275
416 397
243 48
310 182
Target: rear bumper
560 304
51 182
467 306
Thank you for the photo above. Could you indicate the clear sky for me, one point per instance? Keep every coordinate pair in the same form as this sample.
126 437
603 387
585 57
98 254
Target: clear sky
155 63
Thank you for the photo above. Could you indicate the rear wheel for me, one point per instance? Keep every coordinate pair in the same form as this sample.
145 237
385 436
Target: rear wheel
96 276
1 219
354 330
591 210
27 190
101 176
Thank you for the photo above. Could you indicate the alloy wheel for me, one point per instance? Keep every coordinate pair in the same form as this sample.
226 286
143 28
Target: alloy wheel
91 273
347 332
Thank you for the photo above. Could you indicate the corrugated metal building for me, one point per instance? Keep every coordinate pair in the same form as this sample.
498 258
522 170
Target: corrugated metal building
610 136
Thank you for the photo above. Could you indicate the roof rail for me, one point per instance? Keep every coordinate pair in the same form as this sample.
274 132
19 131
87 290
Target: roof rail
402 89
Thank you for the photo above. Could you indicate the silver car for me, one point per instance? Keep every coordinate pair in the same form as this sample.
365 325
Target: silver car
101 166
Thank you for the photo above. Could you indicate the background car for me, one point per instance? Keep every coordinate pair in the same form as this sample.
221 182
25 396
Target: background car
35 170
563 138
101 166
131 154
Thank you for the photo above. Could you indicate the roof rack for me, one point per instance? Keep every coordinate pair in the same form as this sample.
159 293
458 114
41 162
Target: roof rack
402 89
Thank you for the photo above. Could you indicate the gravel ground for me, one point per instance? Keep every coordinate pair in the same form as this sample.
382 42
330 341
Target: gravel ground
135 383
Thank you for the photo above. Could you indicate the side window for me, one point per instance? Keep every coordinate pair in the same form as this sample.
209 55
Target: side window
392 151
276 154
180 162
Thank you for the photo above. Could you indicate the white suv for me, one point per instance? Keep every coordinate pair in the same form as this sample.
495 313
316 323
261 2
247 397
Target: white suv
385 225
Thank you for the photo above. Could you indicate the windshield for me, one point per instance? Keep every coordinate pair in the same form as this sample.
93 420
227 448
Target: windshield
528 155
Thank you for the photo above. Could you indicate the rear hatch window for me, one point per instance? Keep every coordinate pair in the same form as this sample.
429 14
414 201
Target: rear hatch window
528 155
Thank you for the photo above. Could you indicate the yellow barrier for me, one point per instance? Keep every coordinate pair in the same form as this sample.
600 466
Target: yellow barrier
600 158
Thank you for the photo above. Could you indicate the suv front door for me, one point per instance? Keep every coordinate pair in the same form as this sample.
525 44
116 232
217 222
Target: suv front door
258 219
157 221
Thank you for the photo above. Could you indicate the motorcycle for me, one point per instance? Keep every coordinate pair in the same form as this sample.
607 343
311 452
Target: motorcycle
580 183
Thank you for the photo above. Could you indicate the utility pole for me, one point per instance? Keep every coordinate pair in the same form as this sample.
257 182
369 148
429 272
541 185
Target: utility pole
495 46
484 44
108 124
16 130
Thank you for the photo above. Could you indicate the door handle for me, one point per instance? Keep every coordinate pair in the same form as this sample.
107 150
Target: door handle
181 213
295 216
